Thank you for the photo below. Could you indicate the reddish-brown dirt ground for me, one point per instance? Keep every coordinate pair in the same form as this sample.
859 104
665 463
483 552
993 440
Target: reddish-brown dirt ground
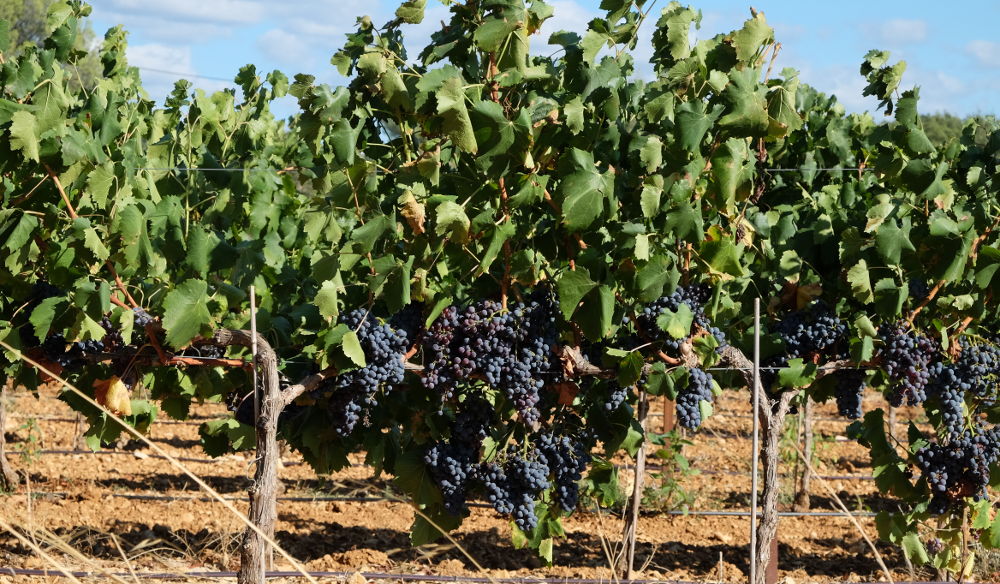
82 500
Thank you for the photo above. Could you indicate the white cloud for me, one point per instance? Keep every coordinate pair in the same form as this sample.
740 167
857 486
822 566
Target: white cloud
903 31
284 46
167 30
159 56
986 52
216 11
163 65
567 15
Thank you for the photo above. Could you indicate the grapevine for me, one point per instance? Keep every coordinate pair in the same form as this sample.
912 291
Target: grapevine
463 248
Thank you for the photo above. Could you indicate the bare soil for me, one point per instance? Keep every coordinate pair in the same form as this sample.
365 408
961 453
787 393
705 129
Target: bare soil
86 501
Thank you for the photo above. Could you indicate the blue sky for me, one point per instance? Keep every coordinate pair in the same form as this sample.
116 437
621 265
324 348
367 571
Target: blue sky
952 49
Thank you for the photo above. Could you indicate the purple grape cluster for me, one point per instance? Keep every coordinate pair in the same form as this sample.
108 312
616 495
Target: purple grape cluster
979 366
353 392
409 321
617 394
452 466
816 329
514 481
112 335
527 478
206 351
55 348
695 297
959 467
473 421
919 289
141 317
966 385
907 357
567 459
849 392
511 350
698 389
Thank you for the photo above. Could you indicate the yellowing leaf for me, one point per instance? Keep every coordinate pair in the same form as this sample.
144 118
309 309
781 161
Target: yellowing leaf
112 394
413 211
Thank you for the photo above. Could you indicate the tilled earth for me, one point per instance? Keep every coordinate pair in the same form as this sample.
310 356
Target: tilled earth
108 509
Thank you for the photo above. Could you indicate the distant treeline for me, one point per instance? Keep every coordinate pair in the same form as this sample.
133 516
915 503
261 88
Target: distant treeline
943 126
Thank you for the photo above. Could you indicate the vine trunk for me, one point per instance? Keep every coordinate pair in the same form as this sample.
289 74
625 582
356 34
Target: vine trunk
255 551
773 424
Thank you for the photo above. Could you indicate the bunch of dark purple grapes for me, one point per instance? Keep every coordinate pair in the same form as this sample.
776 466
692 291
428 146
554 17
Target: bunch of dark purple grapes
55 348
816 329
694 297
352 393
689 398
849 392
907 357
512 350
970 381
959 467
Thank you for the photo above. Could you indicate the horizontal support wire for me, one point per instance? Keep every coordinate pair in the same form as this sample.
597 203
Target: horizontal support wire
856 477
262 169
185 75
339 575
356 499
366 575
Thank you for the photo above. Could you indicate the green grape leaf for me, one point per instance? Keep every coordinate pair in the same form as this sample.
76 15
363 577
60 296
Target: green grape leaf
693 122
411 11
677 323
573 285
583 194
185 313
452 222
914 548
457 124
573 110
220 437
24 134
491 34
797 374
651 153
596 315
861 285
326 300
755 35
891 240
351 346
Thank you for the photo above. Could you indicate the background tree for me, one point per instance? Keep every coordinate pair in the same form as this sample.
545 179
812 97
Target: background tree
28 26
941 127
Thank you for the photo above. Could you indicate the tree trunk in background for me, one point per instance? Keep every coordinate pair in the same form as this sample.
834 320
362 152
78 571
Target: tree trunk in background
8 476
255 552
802 497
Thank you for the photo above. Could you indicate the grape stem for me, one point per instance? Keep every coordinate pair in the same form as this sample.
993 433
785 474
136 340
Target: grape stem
927 300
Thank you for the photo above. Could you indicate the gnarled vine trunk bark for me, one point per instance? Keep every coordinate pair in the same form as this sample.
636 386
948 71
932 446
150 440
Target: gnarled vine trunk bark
8 476
772 422
771 413
255 551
